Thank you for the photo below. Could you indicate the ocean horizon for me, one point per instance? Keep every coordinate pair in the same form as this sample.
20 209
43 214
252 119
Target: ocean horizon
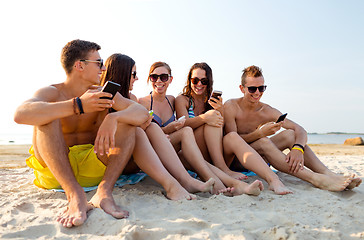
313 138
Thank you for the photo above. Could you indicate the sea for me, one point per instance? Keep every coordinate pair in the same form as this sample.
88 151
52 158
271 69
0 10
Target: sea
313 138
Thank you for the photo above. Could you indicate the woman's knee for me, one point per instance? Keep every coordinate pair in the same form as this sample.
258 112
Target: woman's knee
187 132
231 137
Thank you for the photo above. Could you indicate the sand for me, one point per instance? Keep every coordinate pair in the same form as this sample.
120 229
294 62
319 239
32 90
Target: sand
27 212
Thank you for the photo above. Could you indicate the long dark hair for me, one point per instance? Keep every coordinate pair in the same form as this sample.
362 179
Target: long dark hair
187 90
118 69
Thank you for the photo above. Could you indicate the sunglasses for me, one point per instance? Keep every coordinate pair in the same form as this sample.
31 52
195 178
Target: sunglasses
100 62
163 77
195 80
134 74
254 89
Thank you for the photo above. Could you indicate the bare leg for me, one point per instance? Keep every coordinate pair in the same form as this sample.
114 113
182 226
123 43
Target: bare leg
213 138
51 151
147 159
170 160
250 159
115 163
286 139
184 139
269 150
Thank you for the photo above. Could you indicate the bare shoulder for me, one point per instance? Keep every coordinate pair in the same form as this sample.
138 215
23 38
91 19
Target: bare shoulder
133 97
145 101
270 111
231 105
268 108
50 93
181 99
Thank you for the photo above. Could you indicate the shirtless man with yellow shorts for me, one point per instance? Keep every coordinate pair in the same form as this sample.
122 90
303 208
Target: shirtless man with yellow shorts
247 117
78 143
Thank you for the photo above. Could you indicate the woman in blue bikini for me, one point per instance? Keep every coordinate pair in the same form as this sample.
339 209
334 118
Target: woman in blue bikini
162 162
182 138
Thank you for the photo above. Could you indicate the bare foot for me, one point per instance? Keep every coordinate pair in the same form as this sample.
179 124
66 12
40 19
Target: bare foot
236 175
177 192
334 184
218 186
354 183
251 189
279 188
76 212
226 191
195 185
106 202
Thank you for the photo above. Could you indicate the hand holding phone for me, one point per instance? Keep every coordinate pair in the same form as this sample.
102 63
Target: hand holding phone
216 94
281 118
110 87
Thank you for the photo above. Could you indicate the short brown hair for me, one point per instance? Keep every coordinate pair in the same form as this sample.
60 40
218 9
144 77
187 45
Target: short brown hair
76 50
252 71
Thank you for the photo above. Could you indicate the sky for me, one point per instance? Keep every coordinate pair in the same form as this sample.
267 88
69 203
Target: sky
311 52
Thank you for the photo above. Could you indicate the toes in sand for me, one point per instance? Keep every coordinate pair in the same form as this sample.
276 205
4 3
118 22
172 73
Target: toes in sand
107 203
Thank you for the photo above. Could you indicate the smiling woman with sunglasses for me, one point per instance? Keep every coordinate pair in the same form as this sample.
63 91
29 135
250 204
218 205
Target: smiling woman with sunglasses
204 116
183 139
162 162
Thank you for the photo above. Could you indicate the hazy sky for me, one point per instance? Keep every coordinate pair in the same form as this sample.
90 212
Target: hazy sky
311 52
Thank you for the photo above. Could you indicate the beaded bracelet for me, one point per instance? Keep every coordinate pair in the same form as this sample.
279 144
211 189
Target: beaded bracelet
74 106
299 145
79 105
299 149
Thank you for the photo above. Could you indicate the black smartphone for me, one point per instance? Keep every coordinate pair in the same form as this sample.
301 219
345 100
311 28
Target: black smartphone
110 87
216 94
281 118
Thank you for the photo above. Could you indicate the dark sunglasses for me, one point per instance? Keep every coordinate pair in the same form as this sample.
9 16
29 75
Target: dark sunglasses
195 80
254 89
134 74
100 62
163 77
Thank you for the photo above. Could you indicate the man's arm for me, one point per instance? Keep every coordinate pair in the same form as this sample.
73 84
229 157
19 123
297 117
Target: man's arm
229 117
128 111
266 128
43 108
300 132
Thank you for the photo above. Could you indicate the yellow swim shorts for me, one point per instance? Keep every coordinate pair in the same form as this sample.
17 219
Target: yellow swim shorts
87 168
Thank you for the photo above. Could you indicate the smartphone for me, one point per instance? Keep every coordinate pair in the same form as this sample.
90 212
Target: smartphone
181 118
151 112
110 87
281 118
216 94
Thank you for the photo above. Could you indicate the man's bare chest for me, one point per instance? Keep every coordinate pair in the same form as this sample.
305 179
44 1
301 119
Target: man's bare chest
89 122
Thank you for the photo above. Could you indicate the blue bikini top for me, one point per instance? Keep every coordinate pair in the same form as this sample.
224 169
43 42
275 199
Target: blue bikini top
157 119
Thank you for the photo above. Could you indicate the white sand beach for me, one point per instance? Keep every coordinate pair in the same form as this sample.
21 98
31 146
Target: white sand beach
27 212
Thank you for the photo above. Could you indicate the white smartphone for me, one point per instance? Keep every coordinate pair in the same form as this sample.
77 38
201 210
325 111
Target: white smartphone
181 118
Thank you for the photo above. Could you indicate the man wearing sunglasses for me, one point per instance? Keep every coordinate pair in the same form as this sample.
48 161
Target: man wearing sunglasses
76 142
256 122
